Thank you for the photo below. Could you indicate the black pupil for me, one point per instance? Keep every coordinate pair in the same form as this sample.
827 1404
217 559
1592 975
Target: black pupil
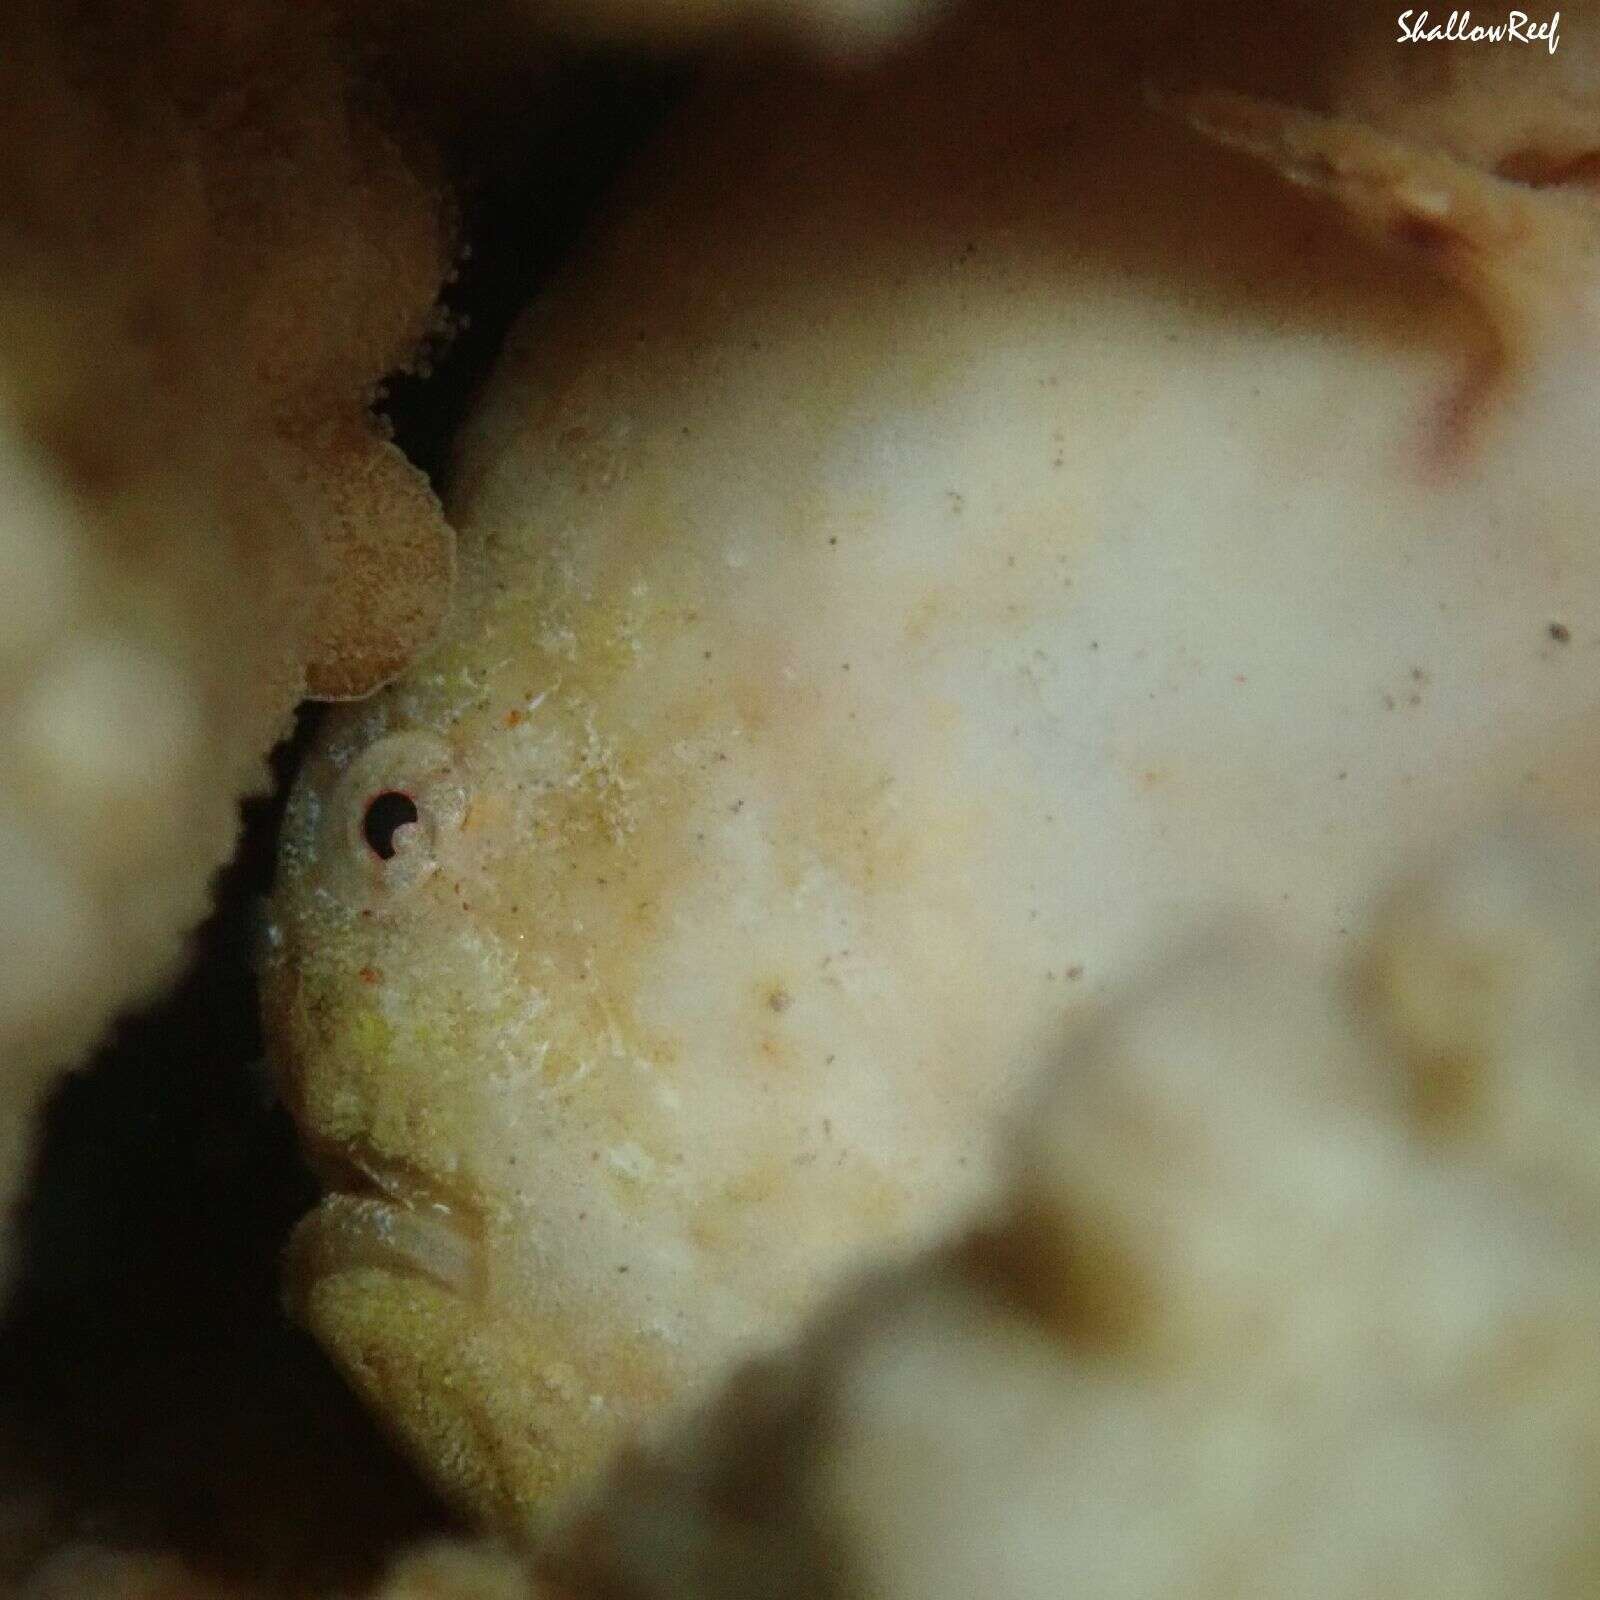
387 814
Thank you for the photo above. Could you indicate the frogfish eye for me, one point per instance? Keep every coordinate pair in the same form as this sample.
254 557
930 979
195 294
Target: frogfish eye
387 813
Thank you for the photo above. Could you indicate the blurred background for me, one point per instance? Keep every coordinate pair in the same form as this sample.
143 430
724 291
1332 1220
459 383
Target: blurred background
152 1394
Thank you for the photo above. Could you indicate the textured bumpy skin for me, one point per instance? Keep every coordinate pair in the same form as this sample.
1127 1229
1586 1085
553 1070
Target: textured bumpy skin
222 224
1263 1313
1291 1289
219 234
958 523
212 248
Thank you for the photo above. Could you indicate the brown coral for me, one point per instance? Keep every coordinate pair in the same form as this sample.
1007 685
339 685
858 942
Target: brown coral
213 246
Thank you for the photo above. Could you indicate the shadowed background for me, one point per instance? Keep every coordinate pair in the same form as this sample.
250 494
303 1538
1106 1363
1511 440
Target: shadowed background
152 1394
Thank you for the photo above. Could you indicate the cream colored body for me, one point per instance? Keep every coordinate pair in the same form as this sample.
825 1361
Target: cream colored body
956 527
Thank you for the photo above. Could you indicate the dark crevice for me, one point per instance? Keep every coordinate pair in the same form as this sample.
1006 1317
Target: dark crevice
153 1395
520 223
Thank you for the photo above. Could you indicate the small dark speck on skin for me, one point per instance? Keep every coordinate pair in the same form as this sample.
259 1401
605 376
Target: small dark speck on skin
1560 632
622 1269
779 1000
1075 971
833 539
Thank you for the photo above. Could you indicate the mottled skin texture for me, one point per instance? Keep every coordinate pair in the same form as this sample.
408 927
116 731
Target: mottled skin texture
1256 1319
955 525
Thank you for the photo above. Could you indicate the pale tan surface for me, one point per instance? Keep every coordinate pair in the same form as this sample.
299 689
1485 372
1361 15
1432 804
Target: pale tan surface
1263 1312
953 527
